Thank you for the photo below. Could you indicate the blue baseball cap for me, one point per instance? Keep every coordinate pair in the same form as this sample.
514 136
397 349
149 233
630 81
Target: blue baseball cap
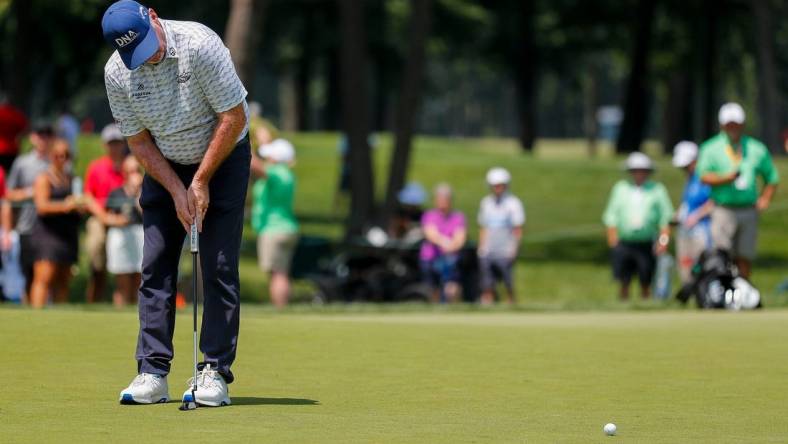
126 26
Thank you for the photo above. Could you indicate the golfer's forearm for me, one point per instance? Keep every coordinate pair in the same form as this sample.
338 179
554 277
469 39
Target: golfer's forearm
230 125
146 151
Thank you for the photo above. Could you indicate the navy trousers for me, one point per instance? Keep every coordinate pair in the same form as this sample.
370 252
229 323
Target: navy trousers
220 243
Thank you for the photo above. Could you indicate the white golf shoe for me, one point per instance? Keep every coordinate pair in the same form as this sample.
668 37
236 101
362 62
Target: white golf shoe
146 388
211 388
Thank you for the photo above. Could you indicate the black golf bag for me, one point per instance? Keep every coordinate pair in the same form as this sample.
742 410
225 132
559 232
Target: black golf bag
716 284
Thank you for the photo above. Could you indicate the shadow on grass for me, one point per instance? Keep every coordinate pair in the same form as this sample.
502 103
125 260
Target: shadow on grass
253 400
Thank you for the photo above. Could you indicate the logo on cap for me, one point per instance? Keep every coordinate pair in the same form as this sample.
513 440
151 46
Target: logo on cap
125 39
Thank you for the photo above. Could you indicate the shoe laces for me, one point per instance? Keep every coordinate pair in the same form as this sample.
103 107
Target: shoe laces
143 379
207 378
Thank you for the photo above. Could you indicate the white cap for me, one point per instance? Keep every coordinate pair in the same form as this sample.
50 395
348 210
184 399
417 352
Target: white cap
280 151
498 176
443 189
111 133
638 161
684 153
731 112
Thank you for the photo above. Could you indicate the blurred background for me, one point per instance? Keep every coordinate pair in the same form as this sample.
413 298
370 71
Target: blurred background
553 90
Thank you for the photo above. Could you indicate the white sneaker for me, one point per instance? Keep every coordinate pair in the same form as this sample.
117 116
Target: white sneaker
211 388
146 388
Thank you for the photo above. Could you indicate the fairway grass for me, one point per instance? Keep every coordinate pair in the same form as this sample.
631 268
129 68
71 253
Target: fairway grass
668 376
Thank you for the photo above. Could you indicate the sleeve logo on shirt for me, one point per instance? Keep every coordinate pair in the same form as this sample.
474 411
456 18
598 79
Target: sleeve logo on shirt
126 38
184 77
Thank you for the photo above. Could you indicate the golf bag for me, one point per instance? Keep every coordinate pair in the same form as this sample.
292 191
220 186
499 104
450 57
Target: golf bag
716 284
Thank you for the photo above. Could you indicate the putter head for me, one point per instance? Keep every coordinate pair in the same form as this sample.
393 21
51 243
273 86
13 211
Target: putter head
188 403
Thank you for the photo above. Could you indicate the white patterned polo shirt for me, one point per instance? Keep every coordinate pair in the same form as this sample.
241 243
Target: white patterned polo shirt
178 98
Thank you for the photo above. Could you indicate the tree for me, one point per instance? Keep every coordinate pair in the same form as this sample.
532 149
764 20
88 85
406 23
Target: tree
355 114
768 93
242 36
409 98
636 99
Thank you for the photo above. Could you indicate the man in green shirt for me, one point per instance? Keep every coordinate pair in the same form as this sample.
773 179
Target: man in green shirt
637 218
731 163
272 216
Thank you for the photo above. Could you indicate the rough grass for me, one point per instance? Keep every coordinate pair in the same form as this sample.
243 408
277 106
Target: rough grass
564 260
434 377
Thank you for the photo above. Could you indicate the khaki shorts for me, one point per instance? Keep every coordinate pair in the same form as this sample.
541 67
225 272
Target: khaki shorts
275 251
689 246
96 243
735 230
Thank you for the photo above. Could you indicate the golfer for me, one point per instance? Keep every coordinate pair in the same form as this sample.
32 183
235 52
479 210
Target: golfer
731 164
178 101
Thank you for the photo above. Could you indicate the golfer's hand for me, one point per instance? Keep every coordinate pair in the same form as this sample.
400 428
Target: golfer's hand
199 199
182 208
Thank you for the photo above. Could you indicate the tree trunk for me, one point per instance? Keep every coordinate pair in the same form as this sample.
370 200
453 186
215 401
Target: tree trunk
635 105
769 97
676 120
242 37
304 73
355 115
709 57
526 63
408 104
590 106
19 93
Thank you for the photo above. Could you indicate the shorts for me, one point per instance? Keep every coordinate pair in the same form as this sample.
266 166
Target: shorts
735 230
124 249
689 246
96 243
440 271
634 257
495 270
275 251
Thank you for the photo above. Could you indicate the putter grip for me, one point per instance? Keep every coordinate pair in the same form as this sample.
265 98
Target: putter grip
194 239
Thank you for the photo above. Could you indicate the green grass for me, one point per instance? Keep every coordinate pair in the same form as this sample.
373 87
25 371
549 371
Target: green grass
564 260
434 377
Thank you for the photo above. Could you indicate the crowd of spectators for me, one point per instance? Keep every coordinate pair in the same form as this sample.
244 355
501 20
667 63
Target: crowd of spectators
44 206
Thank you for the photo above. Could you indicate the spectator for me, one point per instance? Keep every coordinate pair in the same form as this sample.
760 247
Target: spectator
19 197
55 230
501 220
731 163
694 223
444 236
125 234
638 213
261 133
67 127
102 177
12 124
273 219
406 224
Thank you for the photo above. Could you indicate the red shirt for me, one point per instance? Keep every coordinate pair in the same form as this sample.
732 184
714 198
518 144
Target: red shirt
12 124
2 183
101 179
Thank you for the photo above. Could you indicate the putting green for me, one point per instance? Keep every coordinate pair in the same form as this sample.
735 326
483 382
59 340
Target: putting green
421 377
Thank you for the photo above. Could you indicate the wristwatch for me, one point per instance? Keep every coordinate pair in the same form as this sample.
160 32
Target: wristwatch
663 239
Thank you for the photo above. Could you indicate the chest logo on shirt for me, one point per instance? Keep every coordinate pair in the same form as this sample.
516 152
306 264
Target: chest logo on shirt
140 91
184 77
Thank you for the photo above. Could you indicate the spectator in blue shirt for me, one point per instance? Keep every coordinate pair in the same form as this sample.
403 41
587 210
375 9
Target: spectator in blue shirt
693 217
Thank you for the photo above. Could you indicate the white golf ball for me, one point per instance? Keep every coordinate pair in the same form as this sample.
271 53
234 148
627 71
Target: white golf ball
610 429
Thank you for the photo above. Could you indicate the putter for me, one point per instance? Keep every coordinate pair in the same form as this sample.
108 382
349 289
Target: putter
194 247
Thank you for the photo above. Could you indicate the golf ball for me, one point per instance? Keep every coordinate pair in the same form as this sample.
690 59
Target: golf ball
610 429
